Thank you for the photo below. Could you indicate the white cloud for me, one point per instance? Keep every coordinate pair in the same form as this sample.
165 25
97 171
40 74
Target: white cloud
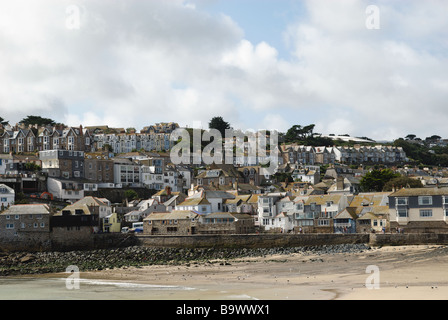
133 63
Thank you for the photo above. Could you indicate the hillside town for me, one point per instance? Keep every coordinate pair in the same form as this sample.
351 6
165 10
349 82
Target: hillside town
71 182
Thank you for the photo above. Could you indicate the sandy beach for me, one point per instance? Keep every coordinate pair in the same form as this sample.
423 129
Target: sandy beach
402 272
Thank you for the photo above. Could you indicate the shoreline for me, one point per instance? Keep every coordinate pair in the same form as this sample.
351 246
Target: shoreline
404 272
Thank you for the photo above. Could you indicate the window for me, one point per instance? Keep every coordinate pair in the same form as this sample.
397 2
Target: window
402 213
305 223
402 201
425 200
324 222
426 213
10 226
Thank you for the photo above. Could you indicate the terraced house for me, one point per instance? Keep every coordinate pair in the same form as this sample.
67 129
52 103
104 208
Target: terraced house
18 140
343 154
419 210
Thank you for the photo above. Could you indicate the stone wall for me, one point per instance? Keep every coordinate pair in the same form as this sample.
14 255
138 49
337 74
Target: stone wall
251 240
379 239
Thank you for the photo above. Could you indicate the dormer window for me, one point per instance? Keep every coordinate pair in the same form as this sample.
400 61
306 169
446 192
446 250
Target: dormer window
425 200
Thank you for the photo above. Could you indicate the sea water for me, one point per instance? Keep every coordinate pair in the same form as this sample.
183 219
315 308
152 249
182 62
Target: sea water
87 289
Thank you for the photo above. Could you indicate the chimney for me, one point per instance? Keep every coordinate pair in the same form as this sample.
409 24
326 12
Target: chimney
340 183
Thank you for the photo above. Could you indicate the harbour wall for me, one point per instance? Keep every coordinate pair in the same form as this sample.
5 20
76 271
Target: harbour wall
114 240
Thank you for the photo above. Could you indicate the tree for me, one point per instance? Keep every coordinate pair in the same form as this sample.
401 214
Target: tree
130 194
3 121
32 120
299 133
402 181
410 137
376 179
219 124
30 166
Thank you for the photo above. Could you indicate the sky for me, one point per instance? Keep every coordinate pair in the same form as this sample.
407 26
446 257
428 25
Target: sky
347 67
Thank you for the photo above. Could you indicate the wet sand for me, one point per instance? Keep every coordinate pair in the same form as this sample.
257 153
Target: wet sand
404 272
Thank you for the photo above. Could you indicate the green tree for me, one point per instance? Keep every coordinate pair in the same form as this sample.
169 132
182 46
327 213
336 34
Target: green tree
219 124
3 121
376 179
130 194
32 167
402 181
299 133
32 120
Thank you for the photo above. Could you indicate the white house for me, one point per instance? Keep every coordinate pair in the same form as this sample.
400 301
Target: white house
282 222
199 205
65 190
6 196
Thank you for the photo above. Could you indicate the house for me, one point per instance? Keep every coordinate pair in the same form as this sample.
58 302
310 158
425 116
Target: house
345 185
65 164
375 219
282 223
98 168
111 223
18 140
176 199
133 216
196 204
267 210
163 127
26 222
226 223
143 209
345 221
74 225
176 222
238 204
102 205
127 172
418 210
7 196
252 175
319 211
216 198
306 174
19 164
218 175
5 161
65 190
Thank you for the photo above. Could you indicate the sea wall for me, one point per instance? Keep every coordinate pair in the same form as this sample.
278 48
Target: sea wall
251 240
38 242
394 239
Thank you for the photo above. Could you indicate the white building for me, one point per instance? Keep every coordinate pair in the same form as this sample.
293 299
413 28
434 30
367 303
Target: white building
7 195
